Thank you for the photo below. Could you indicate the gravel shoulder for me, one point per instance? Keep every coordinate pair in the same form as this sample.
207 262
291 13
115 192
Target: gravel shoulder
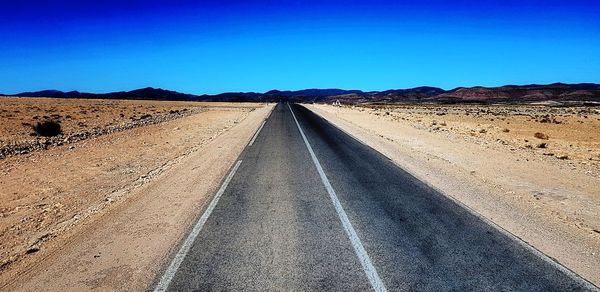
552 204
106 212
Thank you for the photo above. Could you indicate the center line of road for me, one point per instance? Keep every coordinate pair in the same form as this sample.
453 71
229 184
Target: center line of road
363 257
185 247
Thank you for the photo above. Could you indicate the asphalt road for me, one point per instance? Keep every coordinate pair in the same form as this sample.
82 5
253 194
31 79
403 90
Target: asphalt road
337 215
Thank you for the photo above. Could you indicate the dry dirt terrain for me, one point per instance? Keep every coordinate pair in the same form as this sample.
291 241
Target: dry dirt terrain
567 133
84 213
532 170
79 119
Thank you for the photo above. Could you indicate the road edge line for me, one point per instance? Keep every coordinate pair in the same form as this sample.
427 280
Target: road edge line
171 270
261 126
257 132
359 249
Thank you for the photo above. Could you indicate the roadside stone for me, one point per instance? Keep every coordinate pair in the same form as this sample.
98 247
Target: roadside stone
33 248
540 135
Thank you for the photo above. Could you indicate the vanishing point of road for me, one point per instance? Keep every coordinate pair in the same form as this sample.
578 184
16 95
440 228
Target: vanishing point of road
307 207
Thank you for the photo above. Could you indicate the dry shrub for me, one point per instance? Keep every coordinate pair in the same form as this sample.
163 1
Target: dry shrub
47 128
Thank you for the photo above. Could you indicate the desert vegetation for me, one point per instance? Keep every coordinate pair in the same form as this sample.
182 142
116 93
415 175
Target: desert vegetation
47 128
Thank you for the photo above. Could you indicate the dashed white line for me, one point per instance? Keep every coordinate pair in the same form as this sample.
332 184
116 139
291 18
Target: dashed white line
164 282
363 257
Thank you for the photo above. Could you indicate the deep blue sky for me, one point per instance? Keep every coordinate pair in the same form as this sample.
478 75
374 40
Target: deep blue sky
102 46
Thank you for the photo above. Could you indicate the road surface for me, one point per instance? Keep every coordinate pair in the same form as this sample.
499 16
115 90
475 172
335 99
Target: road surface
308 207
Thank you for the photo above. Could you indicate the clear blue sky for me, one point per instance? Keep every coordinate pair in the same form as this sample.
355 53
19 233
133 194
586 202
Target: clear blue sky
102 46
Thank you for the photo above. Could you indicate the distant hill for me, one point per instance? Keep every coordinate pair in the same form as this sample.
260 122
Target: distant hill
150 93
142 93
233 97
525 93
560 92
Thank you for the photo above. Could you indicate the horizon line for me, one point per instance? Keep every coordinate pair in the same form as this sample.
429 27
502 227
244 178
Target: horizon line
291 90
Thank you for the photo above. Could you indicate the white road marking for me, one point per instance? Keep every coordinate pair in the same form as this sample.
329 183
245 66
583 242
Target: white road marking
258 131
363 257
164 282
546 258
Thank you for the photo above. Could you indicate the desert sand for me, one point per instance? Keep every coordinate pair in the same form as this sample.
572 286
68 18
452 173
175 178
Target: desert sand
83 214
533 171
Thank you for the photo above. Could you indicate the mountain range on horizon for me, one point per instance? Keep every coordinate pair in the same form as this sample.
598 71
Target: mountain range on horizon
560 92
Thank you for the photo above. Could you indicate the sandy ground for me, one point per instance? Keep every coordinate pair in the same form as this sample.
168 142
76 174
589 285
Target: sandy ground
18 115
106 212
488 158
568 133
80 119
